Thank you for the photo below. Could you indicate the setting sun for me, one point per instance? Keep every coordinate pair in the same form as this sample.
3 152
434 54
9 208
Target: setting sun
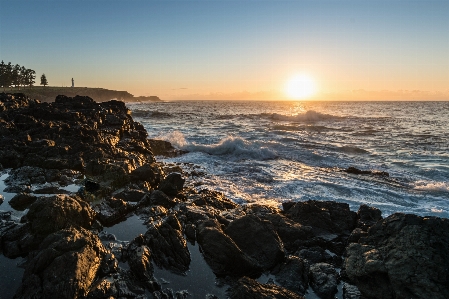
300 87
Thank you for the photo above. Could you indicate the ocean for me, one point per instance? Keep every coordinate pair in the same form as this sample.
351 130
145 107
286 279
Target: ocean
272 152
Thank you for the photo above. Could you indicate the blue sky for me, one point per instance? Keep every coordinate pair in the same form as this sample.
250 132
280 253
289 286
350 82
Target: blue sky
209 48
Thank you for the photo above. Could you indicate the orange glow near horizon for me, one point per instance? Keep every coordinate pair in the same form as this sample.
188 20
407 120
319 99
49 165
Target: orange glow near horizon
301 86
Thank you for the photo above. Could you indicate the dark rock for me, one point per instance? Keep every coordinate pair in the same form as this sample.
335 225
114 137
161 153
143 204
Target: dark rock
131 195
247 288
292 234
22 201
330 216
168 246
318 255
351 292
222 254
91 186
403 256
151 173
367 216
293 274
257 239
158 198
164 148
139 260
50 190
354 170
324 279
172 184
112 210
50 214
65 266
212 199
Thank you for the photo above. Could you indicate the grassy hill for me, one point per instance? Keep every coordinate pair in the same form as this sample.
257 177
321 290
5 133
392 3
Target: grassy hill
49 93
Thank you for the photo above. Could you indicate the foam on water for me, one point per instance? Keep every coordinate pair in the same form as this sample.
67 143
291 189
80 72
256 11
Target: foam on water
236 147
308 116
280 151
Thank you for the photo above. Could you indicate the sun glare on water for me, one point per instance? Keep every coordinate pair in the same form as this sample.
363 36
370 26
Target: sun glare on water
300 87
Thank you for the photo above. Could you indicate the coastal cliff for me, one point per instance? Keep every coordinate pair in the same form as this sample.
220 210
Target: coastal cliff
49 93
303 247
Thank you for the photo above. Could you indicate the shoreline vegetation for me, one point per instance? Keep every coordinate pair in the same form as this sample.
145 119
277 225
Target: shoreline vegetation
49 93
254 251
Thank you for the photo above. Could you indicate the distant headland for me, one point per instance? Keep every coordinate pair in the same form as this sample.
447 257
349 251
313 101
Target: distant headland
49 93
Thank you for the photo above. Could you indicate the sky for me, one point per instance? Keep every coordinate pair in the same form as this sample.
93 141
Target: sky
223 49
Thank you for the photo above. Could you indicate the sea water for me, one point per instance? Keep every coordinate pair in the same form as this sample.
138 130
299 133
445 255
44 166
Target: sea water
271 152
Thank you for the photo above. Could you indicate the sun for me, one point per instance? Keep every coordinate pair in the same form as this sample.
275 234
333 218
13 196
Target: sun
300 87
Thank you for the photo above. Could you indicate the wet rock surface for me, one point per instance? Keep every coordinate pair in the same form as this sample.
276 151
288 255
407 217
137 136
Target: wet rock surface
402 256
68 253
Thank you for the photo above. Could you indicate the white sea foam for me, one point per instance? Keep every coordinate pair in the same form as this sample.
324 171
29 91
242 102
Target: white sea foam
309 116
234 146
431 186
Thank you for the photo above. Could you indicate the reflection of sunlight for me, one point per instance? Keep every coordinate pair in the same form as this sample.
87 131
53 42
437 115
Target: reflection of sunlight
300 87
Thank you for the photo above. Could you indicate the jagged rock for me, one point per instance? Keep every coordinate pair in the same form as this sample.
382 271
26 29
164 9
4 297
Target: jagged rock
257 239
212 199
222 254
172 184
333 217
367 216
293 274
168 246
65 266
139 260
403 256
151 173
50 214
159 198
249 288
131 195
164 148
22 201
112 210
91 186
292 234
318 255
324 279
354 170
351 292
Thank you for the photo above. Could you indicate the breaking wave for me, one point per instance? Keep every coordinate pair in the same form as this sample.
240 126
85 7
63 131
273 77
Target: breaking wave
309 116
237 147
431 186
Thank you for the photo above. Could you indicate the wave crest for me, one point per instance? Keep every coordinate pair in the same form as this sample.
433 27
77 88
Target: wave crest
236 147
309 116
431 186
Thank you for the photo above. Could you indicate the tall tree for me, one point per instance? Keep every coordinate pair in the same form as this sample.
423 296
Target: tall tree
30 75
3 75
44 80
15 76
22 76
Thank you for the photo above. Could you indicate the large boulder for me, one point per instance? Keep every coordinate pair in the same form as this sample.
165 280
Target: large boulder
65 266
330 216
172 184
222 253
50 214
402 256
168 246
257 239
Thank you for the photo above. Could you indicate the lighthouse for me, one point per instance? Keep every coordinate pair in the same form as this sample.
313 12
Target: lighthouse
73 83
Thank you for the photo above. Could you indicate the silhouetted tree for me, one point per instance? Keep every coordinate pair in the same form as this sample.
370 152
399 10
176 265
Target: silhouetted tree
30 75
44 80
15 76
5 74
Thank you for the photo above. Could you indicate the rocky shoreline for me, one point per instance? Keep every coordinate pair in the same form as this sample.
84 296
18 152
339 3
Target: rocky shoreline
67 253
